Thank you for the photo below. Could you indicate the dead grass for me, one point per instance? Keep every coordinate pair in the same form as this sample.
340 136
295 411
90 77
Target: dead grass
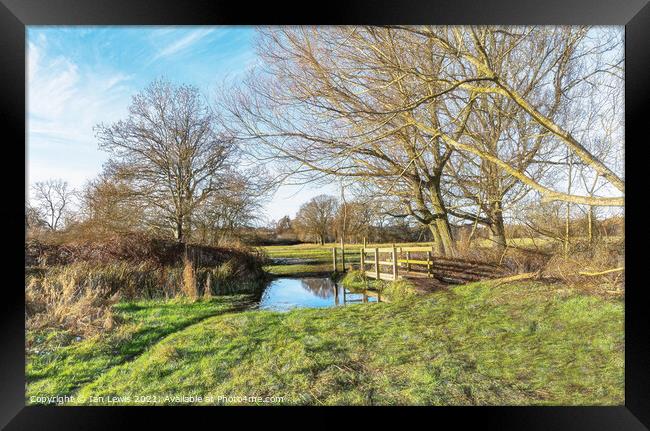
597 258
63 301
554 265
78 296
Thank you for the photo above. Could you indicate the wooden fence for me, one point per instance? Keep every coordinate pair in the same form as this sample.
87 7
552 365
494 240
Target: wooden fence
386 262
395 259
393 263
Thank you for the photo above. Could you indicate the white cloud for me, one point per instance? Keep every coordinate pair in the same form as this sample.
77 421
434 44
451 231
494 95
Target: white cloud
183 43
47 97
65 101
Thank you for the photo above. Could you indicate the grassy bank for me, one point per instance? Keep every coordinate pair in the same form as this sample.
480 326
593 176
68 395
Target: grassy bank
517 344
297 260
58 362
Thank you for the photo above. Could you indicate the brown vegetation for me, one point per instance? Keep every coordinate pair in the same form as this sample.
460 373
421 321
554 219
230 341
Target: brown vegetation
73 285
588 269
134 248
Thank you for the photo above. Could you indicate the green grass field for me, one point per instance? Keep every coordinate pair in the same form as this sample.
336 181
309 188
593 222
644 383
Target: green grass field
524 343
58 364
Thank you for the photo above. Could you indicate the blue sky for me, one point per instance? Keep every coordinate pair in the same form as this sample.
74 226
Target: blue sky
80 76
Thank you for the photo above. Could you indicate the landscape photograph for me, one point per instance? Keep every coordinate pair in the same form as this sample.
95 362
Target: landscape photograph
325 215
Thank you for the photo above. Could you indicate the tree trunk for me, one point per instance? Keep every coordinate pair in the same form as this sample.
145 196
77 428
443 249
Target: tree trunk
497 227
187 228
179 230
498 235
442 223
437 242
445 236
567 221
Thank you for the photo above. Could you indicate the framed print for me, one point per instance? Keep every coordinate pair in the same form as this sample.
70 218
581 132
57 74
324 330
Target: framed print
246 209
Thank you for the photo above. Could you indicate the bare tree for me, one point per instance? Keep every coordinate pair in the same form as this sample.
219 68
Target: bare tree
110 205
33 219
283 225
390 106
449 121
315 219
480 191
565 57
170 151
52 199
236 205
334 106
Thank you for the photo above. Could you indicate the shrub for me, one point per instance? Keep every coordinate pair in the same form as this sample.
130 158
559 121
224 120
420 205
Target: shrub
354 280
133 248
398 290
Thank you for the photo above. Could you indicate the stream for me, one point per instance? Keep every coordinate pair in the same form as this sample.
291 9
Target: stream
284 294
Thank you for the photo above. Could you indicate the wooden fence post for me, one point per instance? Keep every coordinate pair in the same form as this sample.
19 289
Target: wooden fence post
334 258
336 294
342 256
428 264
408 257
394 262
362 261
377 262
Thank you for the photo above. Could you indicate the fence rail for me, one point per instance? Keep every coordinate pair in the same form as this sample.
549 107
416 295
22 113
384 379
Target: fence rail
393 263
394 257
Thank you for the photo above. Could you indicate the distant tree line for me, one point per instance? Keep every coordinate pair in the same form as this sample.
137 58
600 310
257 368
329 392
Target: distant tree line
325 219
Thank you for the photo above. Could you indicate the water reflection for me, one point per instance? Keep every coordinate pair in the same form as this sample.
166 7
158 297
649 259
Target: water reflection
286 293
321 287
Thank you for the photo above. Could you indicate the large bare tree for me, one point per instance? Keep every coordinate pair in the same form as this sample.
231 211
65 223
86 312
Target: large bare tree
170 150
331 104
390 108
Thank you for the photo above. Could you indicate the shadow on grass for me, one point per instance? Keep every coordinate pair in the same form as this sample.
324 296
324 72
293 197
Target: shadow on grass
56 369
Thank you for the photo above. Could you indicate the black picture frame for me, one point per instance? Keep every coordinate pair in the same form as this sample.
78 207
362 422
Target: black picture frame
15 15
